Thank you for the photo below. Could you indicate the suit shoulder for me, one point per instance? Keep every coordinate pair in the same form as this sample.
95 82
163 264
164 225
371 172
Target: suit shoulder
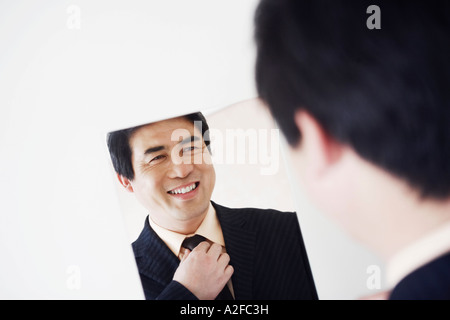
273 220
268 214
429 282
259 217
140 244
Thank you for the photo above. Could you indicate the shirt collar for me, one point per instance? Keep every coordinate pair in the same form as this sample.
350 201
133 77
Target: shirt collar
209 228
419 253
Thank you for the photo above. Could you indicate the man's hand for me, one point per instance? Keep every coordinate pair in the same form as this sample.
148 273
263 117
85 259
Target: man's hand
204 271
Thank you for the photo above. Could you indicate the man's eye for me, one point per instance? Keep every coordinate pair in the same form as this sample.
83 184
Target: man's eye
188 149
156 159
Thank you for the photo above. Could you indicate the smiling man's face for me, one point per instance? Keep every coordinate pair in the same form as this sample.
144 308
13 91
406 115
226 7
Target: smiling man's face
174 177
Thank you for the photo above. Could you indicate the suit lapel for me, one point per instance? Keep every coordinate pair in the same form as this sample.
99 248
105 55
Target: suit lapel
154 258
157 262
240 245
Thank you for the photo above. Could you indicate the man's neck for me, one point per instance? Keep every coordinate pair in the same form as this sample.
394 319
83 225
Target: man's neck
182 226
419 220
399 216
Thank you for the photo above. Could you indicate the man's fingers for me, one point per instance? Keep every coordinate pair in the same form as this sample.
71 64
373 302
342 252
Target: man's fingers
205 270
202 247
224 259
185 255
229 270
215 250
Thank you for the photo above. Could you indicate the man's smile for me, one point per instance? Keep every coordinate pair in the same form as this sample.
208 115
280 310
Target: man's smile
186 191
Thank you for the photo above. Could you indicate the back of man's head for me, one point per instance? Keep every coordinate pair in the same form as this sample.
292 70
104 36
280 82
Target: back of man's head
384 92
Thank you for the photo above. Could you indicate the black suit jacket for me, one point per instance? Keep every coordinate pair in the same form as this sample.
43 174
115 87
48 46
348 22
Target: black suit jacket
266 250
429 282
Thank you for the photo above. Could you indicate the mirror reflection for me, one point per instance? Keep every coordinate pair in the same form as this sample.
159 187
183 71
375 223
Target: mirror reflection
207 203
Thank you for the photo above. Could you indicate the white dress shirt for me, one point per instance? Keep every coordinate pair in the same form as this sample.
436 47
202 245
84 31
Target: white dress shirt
417 254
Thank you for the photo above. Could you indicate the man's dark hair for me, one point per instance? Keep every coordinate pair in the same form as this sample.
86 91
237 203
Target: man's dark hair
384 92
120 151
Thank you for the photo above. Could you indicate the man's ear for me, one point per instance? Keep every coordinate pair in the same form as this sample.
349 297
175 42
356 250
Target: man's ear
321 151
125 182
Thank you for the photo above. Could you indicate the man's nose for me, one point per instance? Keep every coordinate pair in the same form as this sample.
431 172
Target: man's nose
180 170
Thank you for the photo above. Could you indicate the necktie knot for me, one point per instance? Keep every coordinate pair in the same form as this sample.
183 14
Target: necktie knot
191 242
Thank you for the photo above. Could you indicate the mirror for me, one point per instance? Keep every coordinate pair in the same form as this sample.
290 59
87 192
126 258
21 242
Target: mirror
248 163
218 178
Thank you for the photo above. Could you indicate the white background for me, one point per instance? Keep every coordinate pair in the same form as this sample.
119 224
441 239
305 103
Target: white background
70 71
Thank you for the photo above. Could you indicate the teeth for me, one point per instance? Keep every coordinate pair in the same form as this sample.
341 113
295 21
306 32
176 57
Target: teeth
184 190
